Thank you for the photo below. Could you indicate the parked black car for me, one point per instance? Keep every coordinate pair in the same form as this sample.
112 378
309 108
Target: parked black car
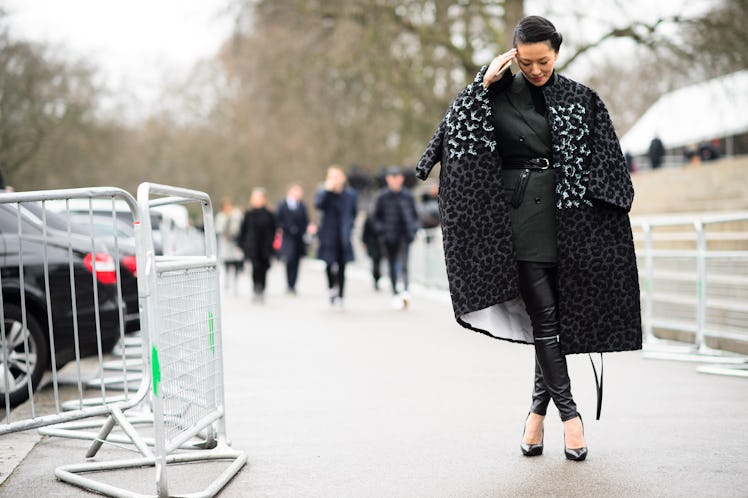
116 235
24 256
119 238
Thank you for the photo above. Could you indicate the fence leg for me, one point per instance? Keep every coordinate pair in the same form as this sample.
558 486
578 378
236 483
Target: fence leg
119 417
100 437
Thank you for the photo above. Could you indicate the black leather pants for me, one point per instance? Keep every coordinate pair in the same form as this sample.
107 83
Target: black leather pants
538 288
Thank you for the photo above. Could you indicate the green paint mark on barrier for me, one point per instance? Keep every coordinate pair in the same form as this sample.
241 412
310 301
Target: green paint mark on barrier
211 327
156 370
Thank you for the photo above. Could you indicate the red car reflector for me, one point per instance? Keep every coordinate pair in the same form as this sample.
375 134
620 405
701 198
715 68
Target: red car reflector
106 273
131 264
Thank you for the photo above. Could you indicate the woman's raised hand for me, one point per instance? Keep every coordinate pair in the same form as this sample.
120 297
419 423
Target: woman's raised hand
498 67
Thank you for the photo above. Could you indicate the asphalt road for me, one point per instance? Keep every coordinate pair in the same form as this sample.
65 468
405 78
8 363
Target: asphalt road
371 401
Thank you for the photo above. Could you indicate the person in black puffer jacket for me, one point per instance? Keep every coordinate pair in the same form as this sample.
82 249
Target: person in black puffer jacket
396 222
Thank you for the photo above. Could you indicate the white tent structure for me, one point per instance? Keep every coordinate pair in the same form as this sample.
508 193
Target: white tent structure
717 108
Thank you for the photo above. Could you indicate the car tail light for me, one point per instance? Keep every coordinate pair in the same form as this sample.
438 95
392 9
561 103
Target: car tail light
106 273
130 263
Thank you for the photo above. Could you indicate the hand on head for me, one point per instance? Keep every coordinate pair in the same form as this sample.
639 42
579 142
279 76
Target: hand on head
498 67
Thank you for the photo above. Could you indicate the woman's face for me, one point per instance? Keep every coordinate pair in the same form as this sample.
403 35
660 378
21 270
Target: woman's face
536 61
258 200
336 176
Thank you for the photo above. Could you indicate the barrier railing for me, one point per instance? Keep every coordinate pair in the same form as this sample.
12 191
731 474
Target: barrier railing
694 275
180 316
693 271
68 295
427 259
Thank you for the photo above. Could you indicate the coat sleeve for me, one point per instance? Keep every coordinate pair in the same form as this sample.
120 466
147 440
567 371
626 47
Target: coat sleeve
242 235
320 199
353 207
609 179
304 218
415 220
376 217
433 152
463 115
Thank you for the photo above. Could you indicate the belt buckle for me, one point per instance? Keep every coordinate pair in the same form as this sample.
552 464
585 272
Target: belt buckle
540 162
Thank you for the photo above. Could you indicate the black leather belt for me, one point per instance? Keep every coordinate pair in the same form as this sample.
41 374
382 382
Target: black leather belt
527 166
534 164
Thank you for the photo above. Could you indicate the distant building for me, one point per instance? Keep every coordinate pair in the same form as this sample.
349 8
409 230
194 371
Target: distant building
711 116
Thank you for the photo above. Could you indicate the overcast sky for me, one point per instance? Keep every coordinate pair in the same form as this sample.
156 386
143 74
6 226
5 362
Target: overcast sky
141 44
136 43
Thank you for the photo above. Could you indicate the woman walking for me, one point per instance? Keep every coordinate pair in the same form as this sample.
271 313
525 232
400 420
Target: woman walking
256 239
338 206
534 199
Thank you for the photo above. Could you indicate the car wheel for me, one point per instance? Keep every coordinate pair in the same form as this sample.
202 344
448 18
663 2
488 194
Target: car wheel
20 368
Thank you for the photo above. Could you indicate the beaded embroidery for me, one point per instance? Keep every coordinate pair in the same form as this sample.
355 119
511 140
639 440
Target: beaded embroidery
468 126
571 148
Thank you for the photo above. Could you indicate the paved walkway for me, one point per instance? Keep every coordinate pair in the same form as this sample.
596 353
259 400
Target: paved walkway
370 401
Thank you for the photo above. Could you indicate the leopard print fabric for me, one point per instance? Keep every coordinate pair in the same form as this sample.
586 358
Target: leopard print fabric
585 148
598 299
476 229
598 284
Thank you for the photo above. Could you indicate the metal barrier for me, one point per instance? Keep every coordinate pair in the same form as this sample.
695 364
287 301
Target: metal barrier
68 295
693 272
180 315
427 266
694 275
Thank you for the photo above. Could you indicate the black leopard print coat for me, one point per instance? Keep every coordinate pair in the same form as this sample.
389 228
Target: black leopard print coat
597 275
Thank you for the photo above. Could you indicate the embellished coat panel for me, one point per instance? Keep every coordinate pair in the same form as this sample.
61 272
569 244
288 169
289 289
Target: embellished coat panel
598 282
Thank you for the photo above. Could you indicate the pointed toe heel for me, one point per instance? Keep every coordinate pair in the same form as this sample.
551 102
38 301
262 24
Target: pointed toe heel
530 450
576 454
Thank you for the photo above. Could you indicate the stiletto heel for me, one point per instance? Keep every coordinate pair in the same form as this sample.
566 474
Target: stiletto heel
529 450
576 454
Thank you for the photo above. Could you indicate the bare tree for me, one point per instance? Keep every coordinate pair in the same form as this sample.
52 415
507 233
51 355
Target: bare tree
718 40
335 77
39 96
303 84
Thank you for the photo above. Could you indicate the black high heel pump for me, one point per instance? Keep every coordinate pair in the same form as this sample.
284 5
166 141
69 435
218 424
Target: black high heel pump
529 450
576 454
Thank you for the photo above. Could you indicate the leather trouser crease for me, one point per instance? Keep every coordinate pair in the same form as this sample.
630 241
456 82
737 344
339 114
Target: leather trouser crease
538 288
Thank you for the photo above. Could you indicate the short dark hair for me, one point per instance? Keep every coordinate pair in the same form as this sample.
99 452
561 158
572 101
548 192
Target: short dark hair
534 29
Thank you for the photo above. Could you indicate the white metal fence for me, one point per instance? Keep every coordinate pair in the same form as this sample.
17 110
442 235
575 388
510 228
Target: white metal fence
427 259
180 315
693 272
172 369
68 295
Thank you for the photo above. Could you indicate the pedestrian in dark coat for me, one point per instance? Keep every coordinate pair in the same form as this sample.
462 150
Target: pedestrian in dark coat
256 240
396 222
338 208
373 245
293 220
656 152
588 277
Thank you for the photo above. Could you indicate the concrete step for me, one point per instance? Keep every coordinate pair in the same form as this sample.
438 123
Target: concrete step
715 186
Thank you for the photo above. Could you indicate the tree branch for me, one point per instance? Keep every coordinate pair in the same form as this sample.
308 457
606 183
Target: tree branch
640 32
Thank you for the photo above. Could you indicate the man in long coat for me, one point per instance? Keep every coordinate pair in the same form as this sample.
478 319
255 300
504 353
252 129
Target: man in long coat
293 220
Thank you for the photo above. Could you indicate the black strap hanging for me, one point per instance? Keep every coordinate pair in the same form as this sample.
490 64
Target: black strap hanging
598 384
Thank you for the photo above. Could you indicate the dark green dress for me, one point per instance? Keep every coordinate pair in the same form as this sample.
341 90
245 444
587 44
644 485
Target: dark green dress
522 132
